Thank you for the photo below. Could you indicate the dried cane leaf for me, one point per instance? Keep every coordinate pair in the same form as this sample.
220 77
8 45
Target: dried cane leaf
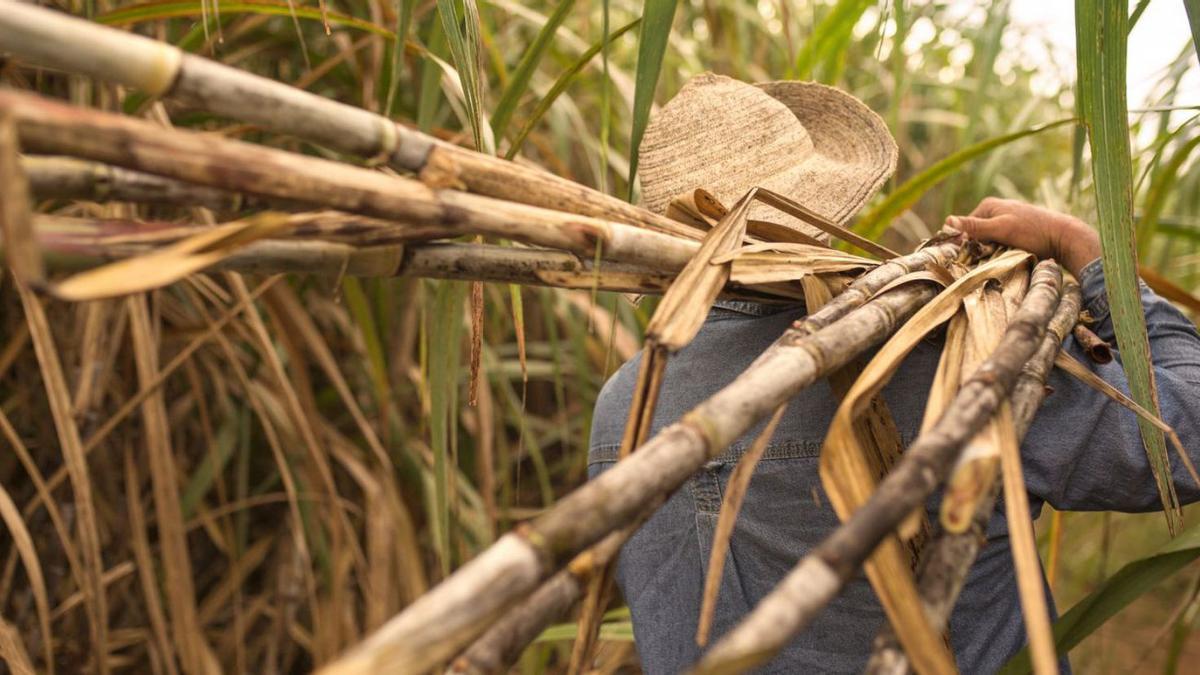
12 650
1085 375
1168 289
171 263
194 652
974 474
685 305
797 210
735 493
850 478
1024 547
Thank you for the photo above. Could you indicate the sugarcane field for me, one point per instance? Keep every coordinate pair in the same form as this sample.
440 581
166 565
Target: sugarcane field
618 337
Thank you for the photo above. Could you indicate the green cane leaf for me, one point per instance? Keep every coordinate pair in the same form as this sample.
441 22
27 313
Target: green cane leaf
657 17
519 82
830 36
1129 583
446 332
561 84
1101 33
879 218
1193 14
460 22
1161 186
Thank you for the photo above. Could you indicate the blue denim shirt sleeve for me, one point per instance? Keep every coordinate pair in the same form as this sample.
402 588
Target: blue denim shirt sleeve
1084 451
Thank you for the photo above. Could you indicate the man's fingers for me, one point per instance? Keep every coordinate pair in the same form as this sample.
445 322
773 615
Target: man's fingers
987 208
977 228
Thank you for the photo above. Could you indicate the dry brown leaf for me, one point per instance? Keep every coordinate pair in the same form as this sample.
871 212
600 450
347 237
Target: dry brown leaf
735 493
685 305
850 478
797 210
1083 374
23 542
171 263
139 541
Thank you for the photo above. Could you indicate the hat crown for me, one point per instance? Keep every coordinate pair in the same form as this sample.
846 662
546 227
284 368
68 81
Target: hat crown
816 144
722 135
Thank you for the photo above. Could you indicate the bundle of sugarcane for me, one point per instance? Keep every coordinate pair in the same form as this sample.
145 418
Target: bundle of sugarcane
297 213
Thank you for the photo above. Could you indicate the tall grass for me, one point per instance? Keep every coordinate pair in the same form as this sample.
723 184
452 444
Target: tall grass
327 463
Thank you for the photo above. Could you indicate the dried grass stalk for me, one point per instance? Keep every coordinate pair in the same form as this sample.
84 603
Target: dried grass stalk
451 615
821 574
194 653
76 467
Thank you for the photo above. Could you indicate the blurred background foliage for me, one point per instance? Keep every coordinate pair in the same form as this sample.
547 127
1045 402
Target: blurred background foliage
289 567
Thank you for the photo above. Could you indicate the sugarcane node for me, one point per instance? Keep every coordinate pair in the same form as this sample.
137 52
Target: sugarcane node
537 542
441 172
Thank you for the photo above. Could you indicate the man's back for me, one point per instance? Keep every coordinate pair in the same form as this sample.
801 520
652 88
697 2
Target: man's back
1077 444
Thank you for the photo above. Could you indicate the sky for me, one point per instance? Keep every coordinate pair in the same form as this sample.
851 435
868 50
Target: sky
1154 43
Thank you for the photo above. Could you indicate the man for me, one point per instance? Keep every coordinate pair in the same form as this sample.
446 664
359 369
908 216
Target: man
1083 452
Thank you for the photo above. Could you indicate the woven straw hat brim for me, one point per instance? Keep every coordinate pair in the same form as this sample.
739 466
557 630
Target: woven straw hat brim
854 153
813 143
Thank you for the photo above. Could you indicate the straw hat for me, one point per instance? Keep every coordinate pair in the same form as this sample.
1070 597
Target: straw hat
818 145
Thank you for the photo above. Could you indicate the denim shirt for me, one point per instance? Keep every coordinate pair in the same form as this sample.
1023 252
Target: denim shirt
1082 452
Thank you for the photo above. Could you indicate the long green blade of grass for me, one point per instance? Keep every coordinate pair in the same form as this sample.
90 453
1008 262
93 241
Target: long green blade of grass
1160 188
877 220
831 33
561 84
157 11
1101 30
657 17
404 17
460 22
1193 14
519 81
444 365
1129 583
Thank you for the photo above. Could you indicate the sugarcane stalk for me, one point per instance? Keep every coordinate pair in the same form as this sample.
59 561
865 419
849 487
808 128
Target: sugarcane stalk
56 40
820 576
50 127
52 177
448 617
1093 345
502 644
676 321
73 244
948 558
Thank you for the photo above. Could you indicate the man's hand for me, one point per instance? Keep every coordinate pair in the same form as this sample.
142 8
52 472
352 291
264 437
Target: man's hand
1042 232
